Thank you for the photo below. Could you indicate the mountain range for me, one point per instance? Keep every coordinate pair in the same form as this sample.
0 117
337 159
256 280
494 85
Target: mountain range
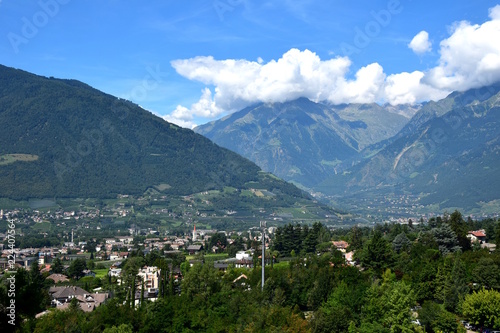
63 138
442 155
302 141
447 156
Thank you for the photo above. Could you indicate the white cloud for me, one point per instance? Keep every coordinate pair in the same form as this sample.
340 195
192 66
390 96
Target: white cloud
365 89
205 108
239 83
179 122
408 88
494 13
420 43
469 58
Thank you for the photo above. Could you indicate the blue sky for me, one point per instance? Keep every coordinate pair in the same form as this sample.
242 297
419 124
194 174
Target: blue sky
195 61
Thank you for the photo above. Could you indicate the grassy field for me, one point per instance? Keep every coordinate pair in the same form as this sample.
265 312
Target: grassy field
43 226
101 273
229 190
6 203
215 256
106 263
299 213
210 257
247 193
163 187
11 158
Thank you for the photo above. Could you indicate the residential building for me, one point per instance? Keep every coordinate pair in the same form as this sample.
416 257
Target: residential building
151 277
341 245
477 236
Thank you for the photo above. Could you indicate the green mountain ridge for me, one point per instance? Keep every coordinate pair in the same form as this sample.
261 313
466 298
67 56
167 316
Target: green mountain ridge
63 138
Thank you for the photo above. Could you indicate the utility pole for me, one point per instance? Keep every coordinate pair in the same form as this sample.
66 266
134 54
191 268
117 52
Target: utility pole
263 226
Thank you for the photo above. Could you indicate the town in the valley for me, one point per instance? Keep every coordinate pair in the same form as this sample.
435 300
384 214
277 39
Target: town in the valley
83 261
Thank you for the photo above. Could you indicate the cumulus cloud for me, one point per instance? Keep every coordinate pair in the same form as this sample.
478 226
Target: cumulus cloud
469 58
179 122
238 83
296 74
204 108
420 43
408 88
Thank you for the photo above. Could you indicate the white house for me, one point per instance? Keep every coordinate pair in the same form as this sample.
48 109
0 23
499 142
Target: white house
240 255
150 275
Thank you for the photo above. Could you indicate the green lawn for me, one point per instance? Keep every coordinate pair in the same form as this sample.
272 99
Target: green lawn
210 257
43 226
215 256
106 263
299 213
101 273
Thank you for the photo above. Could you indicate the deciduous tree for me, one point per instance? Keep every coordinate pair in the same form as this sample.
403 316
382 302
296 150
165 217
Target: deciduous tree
483 308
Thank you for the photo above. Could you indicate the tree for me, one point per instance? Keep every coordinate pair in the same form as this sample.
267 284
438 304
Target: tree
129 273
236 246
487 273
388 305
321 232
433 222
289 238
57 266
356 238
74 305
428 315
497 235
76 268
446 239
434 318
123 328
201 280
459 226
401 242
376 253
399 299
343 306
31 294
483 308
61 321
219 240
456 287
451 283
90 247
310 240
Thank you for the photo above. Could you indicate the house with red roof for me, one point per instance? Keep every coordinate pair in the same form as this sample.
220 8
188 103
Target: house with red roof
341 245
477 236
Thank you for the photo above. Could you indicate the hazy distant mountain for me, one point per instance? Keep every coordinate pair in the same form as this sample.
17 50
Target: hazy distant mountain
303 141
62 138
380 122
448 155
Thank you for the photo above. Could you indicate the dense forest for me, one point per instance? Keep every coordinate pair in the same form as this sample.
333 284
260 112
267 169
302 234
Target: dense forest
417 277
67 139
